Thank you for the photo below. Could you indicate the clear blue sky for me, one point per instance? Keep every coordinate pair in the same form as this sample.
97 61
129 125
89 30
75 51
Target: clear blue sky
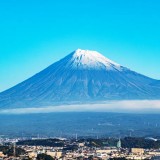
36 33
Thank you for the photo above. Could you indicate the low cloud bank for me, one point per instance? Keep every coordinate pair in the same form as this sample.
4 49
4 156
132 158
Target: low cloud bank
132 106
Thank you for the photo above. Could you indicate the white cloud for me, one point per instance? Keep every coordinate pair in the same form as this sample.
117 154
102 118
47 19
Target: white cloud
139 106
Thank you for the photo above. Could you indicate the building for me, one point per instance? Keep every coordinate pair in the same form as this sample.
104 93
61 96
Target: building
137 151
2 155
56 154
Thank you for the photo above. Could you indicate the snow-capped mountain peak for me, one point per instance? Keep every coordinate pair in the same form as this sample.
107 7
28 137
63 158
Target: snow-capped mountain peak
82 76
92 59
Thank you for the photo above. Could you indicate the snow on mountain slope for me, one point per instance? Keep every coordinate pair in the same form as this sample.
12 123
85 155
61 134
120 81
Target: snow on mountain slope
82 76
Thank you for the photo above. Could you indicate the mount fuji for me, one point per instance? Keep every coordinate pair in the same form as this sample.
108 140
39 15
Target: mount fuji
81 77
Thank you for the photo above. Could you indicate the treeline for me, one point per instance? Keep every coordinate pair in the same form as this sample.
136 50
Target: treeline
128 142
42 142
131 142
8 150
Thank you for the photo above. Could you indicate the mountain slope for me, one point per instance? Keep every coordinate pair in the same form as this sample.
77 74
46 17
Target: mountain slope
156 83
82 76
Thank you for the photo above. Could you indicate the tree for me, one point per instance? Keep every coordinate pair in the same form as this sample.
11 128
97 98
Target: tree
44 157
118 158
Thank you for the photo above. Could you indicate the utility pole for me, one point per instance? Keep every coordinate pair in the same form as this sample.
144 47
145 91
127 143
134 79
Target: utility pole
14 149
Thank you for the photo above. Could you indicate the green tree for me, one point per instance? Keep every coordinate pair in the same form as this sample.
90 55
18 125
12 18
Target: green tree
44 157
118 158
